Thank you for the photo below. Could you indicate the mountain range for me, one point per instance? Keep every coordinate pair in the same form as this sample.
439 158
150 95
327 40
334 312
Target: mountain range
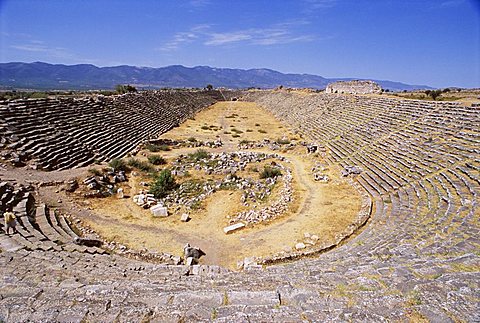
45 76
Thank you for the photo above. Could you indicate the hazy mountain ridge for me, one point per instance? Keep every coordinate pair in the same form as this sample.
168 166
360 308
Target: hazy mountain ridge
46 76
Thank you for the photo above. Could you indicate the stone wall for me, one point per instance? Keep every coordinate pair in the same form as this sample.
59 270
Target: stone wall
353 87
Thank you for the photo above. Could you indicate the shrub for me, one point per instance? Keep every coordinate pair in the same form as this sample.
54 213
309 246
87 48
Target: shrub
262 131
270 172
236 130
199 155
163 184
244 142
164 147
143 166
192 139
156 160
153 148
118 164
205 128
95 171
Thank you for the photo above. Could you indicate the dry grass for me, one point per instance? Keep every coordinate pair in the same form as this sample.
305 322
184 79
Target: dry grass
317 208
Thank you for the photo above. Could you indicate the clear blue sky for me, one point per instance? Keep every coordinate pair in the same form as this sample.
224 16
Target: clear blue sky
432 42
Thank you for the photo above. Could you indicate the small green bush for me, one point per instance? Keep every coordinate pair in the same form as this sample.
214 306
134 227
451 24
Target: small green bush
163 184
262 131
192 139
118 164
95 171
156 160
153 148
270 172
199 155
143 166
205 128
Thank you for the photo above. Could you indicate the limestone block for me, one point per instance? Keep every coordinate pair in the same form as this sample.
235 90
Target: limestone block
159 211
185 217
233 227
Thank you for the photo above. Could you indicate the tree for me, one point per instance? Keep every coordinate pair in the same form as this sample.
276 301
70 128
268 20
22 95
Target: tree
120 88
164 183
209 87
436 93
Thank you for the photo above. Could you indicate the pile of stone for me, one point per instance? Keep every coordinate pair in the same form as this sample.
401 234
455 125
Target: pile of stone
188 143
98 185
277 208
145 199
318 173
265 143
351 170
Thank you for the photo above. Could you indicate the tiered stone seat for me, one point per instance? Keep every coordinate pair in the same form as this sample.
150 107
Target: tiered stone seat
417 258
66 133
37 228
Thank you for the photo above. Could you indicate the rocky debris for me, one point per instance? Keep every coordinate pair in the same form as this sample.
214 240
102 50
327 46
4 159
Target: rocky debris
185 217
351 170
192 254
146 200
248 263
188 143
275 209
233 227
267 143
71 185
322 178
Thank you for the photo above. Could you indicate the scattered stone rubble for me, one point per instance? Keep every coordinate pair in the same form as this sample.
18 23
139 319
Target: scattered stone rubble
351 170
226 164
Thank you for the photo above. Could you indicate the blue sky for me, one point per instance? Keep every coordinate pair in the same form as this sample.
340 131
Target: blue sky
432 42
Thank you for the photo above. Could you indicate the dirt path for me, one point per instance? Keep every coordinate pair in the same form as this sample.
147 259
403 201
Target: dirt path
321 209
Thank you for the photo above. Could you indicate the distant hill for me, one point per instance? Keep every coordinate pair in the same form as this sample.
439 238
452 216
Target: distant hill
44 76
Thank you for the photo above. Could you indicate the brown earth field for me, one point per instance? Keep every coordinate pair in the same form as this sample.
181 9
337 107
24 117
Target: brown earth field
317 208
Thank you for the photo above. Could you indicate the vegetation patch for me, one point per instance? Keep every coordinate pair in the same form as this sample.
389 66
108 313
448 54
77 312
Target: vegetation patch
164 183
199 155
118 165
270 172
157 160
138 164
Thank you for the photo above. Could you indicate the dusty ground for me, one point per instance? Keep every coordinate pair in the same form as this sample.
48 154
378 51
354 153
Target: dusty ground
321 209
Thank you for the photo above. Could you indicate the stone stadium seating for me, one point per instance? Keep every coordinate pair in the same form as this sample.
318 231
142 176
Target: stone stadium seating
64 133
417 257
38 227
